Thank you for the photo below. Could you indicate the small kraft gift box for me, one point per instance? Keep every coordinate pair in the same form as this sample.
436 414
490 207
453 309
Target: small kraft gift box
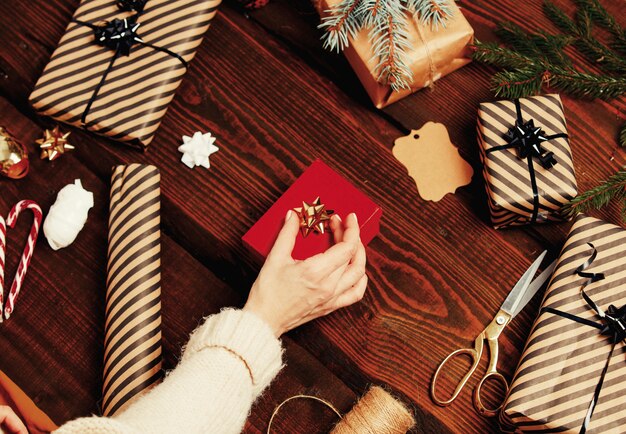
527 162
432 53
118 65
317 194
572 373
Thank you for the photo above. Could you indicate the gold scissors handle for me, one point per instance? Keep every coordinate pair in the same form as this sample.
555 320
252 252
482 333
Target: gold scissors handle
490 334
474 354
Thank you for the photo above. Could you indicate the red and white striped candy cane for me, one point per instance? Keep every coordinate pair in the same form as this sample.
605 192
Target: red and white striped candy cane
28 250
3 247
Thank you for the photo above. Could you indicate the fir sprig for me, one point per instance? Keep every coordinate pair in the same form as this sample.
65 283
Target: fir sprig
613 189
390 43
340 24
533 61
387 21
602 17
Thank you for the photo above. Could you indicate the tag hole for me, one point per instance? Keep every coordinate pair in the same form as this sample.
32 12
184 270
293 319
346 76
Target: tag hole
416 136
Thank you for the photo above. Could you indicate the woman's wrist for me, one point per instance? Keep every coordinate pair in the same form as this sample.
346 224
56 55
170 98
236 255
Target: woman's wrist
260 313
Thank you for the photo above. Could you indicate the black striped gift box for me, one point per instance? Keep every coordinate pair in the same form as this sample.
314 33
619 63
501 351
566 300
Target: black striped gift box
132 343
562 364
122 97
520 189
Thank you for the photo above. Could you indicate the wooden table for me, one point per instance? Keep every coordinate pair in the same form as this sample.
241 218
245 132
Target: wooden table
276 101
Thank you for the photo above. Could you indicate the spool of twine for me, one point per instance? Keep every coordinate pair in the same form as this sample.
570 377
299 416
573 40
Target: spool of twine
377 412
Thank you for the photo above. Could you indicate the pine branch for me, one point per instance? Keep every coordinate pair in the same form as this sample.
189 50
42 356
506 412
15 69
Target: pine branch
586 85
387 21
340 23
600 15
389 44
518 83
558 17
613 189
493 54
433 12
622 136
370 11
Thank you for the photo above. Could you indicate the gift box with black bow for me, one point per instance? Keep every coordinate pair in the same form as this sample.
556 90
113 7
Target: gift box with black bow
118 65
572 373
527 161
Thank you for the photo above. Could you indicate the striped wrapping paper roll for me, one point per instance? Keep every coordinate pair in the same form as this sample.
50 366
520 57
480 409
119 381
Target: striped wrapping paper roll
509 179
563 360
132 344
131 92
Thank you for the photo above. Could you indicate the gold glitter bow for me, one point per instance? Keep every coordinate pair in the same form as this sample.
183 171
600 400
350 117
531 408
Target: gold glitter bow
54 144
314 217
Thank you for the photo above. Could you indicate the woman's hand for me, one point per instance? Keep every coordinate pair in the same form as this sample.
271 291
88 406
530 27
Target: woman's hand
10 423
288 293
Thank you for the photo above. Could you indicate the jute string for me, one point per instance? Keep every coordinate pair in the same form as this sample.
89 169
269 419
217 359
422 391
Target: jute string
377 412
431 62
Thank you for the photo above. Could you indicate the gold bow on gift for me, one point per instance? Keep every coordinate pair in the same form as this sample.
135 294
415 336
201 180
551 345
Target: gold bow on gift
314 217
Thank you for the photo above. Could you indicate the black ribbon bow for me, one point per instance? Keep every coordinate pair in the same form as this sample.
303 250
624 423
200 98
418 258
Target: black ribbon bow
527 139
131 5
614 325
118 35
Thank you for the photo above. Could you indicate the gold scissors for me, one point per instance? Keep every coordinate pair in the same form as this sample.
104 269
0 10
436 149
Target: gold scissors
520 295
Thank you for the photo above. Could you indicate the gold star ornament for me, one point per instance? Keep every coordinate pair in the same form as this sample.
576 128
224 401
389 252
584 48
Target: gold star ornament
314 217
54 144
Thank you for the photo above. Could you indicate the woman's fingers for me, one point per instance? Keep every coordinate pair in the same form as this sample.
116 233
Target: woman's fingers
338 256
350 296
286 240
354 271
11 422
352 232
336 226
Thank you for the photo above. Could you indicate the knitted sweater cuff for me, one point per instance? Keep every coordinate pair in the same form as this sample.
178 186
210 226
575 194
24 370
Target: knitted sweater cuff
247 337
95 425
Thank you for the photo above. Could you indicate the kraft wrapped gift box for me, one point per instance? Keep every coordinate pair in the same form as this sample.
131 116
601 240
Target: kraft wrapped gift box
560 374
115 86
435 53
527 162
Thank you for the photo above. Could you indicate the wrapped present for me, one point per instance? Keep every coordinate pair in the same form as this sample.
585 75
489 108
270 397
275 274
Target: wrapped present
432 53
527 161
572 373
118 65
317 194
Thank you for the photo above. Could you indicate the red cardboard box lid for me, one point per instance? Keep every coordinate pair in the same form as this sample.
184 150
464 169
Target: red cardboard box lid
335 192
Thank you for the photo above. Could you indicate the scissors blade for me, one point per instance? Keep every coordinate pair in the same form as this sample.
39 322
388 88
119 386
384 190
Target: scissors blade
512 301
534 287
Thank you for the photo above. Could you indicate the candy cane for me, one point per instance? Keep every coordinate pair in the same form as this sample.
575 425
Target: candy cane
3 246
28 250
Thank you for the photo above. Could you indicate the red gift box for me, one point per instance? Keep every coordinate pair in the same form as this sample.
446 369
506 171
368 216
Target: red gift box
335 192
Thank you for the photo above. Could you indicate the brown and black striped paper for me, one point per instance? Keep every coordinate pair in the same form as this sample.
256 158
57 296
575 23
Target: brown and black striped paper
563 359
508 178
138 89
132 343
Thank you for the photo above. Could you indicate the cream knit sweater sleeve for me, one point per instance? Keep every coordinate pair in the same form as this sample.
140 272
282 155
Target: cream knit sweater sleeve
228 361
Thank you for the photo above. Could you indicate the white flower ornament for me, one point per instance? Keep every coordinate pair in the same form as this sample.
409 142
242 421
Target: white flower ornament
197 149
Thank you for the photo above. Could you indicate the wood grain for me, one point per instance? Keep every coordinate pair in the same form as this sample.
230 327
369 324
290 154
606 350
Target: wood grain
52 346
276 101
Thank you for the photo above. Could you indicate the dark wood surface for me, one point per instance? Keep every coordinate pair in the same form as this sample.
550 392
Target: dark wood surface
276 101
